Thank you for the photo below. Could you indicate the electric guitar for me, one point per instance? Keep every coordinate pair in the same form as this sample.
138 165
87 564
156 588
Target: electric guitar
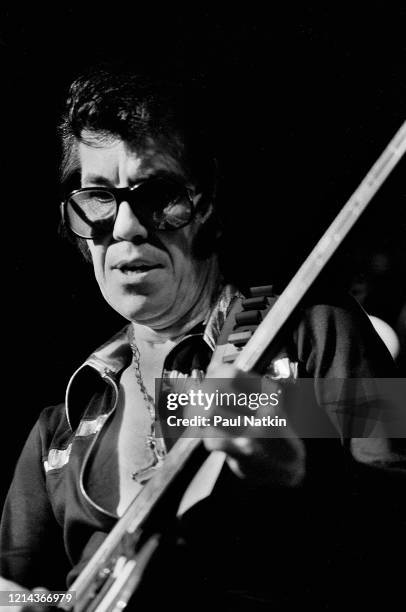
111 577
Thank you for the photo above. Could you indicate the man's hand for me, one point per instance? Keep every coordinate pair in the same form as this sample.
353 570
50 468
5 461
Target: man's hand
274 456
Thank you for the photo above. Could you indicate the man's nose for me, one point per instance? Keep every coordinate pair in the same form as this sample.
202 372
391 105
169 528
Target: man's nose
127 225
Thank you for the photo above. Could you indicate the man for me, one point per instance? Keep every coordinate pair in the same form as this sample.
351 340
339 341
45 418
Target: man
140 183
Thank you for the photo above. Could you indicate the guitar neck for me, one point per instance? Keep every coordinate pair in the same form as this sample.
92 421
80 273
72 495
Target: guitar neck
322 252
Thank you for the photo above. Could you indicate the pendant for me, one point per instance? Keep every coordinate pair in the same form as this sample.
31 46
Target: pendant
143 475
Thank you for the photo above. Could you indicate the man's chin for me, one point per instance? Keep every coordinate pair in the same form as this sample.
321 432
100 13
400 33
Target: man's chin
141 309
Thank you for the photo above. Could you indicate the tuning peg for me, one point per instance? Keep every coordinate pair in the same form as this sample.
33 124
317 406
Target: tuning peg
263 291
248 317
255 303
240 338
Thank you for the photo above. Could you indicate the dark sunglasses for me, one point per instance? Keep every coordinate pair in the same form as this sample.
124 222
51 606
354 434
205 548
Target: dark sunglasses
159 204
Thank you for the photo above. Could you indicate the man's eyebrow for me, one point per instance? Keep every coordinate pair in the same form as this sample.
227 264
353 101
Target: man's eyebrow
96 179
159 173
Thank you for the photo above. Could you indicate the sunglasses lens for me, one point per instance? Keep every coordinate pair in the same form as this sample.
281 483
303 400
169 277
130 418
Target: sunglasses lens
163 204
91 213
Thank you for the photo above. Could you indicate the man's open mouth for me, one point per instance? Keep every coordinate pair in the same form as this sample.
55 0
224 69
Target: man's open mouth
129 268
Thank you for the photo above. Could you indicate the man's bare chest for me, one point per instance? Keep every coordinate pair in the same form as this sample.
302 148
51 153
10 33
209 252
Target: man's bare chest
122 448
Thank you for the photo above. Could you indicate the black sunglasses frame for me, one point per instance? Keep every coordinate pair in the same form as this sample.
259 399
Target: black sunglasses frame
121 194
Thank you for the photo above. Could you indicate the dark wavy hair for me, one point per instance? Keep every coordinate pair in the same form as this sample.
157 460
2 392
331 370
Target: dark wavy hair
113 101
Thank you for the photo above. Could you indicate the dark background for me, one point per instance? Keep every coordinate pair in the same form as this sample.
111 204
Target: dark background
304 102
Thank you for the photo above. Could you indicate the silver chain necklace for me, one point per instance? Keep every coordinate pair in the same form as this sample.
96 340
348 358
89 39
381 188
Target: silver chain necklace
155 444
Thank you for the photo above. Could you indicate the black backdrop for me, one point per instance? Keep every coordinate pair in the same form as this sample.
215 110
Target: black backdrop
305 101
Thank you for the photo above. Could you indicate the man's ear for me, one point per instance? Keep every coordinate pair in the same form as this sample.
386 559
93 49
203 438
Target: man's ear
205 208
209 232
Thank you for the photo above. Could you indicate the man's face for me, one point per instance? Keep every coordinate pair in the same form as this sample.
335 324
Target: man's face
148 276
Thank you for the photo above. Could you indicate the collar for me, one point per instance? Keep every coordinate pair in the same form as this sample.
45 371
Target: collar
115 355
